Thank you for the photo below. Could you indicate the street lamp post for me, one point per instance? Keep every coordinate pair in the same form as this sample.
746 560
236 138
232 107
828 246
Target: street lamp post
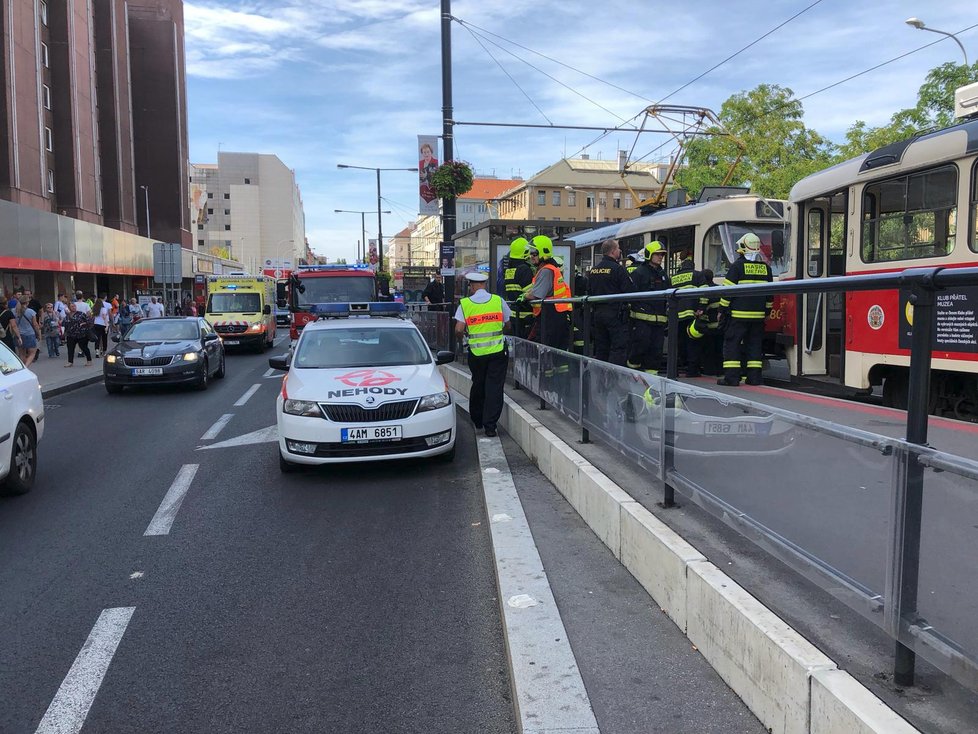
380 228
146 193
919 25
597 201
363 225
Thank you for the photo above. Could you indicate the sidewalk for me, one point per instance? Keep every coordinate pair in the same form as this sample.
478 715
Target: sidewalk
56 379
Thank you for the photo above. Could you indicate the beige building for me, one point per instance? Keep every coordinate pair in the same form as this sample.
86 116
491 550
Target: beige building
582 190
399 249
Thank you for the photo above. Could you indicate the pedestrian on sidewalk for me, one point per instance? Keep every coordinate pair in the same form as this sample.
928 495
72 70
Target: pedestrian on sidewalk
61 306
155 309
50 330
8 322
77 327
101 325
81 304
29 331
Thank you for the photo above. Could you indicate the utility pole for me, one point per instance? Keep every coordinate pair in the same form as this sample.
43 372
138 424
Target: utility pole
448 205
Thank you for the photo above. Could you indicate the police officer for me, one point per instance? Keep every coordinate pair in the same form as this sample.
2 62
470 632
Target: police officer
690 336
517 279
483 316
610 331
745 314
648 317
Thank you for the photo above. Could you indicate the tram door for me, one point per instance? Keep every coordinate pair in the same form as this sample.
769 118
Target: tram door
823 314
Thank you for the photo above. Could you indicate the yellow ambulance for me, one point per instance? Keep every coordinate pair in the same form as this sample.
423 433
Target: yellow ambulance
241 308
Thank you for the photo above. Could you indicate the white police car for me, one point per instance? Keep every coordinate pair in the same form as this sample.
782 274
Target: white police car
362 387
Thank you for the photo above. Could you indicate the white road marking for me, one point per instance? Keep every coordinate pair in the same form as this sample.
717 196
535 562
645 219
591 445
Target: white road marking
247 396
164 517
270 372
263 435
216 428
69 709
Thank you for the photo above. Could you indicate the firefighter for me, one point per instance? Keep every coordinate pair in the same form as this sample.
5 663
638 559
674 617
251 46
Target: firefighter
517 279
712 352
610 323
744 315
483 316
690 336
648 317
634 260
553 319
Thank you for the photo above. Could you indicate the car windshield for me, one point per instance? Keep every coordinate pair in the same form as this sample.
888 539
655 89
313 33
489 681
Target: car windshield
336 289
161 331
360 347
234 303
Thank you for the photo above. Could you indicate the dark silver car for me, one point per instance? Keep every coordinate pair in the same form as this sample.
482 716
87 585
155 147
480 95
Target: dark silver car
166 351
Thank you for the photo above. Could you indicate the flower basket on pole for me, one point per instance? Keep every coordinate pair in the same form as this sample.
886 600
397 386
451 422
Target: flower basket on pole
452 179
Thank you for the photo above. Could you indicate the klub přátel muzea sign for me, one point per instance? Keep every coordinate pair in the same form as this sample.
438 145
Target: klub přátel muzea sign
956 329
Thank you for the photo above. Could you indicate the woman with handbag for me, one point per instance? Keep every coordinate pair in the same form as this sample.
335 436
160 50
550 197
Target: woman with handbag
77 329
29 331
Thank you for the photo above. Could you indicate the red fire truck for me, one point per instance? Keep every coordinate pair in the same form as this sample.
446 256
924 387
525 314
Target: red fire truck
312 284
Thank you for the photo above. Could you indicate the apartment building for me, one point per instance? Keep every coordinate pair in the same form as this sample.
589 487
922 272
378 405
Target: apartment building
247 206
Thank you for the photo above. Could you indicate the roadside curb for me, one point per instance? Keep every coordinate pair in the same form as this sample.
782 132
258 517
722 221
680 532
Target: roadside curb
788 683
53 390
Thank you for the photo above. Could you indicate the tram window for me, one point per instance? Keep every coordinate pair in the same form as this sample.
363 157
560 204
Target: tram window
720 245
815 219
910 217
974 208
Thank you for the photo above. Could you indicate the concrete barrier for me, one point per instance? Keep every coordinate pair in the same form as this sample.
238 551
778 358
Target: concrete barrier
790 685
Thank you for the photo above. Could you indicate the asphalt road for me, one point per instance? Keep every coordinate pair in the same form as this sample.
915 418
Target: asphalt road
354 599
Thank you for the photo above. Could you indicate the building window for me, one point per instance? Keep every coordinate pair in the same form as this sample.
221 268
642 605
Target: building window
589 201
571 198
200 243
628 201
247 180
50 181
227 196
541 198
210 195
48 139
227 212
227 227
555 198
46 91
603 200
616 201
227 243
210 211
44 13
45 58
200 226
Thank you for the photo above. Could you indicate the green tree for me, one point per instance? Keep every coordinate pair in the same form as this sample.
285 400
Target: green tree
934 109
779 148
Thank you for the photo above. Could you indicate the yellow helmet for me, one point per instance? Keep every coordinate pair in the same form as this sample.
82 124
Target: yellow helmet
544 245
517 248
654 247
750 242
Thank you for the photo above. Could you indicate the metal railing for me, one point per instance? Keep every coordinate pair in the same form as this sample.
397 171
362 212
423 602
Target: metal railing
434 322
764 471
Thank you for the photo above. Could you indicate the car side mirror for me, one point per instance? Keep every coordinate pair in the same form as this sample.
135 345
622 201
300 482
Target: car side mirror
266 309
278 363
211 337
116 338
443 357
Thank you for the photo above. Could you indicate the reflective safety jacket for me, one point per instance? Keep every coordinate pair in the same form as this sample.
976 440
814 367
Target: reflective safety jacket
649 277
688 277
749 308
484 325
517 281
560 288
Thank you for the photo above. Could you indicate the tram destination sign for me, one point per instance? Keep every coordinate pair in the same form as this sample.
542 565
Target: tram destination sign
956 329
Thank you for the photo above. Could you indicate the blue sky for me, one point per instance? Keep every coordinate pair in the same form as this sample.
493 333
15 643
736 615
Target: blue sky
321 82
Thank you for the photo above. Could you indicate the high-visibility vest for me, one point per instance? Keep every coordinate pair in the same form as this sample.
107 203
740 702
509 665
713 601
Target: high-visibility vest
561 290
484 324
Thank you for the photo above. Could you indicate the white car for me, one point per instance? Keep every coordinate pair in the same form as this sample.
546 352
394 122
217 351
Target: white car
21 424
362 389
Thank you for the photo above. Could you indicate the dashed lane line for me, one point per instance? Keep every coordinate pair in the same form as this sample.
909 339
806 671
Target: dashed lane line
167 513
72 702
212 432
247 396
270 372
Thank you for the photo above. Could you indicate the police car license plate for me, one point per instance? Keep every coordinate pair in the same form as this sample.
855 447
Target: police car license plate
370 433
739 428
231 342
137 371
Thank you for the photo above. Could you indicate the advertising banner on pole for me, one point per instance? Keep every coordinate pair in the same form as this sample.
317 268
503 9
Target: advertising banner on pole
372 253
427 163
